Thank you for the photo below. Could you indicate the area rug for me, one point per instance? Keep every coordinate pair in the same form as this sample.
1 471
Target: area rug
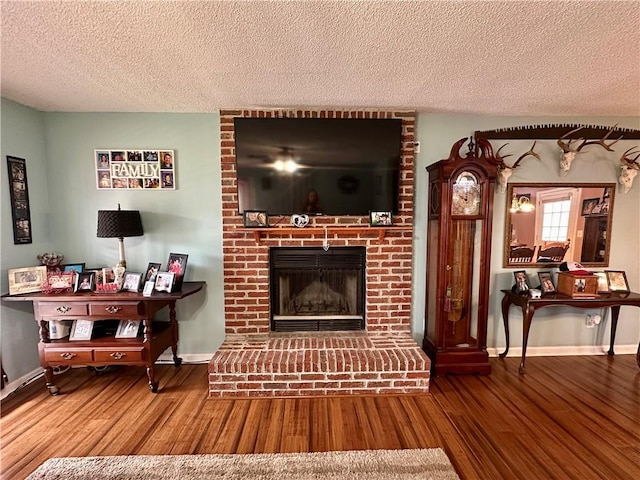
413 464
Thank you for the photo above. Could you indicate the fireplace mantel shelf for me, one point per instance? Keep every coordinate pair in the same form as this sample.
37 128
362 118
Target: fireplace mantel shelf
357 230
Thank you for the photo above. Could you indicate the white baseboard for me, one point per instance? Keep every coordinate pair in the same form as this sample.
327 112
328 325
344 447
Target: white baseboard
11 387
565 351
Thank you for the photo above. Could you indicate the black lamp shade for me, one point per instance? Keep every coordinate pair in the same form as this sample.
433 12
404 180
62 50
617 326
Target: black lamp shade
119 223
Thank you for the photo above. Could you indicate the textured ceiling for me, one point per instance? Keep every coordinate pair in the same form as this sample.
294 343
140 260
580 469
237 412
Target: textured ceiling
479 57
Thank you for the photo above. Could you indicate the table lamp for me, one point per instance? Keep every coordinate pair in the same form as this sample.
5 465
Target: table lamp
119 224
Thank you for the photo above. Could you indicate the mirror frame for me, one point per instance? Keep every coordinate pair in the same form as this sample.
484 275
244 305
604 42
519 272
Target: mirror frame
507 225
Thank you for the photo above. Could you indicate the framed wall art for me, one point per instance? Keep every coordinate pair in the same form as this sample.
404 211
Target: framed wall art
135 169
27 279
19 195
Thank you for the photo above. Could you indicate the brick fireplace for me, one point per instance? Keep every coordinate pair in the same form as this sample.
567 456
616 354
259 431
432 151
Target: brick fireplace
381 358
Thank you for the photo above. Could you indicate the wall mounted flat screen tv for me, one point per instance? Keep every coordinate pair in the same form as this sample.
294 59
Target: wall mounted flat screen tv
321 166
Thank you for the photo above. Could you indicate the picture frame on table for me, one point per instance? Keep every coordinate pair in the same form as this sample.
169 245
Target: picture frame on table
81 330
380 218
26 279
60 281
147 291
85 282
164 282
617 280
151 272
603 283
97 275
177 264
128 328
522 282
131 282
255 218
587 206
546 282
73 267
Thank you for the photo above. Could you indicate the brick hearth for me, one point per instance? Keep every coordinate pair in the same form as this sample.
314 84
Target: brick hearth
384 358
317 364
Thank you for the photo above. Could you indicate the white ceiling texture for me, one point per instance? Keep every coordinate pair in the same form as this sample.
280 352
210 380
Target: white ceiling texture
550 58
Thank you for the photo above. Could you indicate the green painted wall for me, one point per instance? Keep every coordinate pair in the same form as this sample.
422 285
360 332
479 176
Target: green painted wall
64 203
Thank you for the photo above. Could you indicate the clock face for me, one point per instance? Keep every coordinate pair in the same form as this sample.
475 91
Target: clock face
466 195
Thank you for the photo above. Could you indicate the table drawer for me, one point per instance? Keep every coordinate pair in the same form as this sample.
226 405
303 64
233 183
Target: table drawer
61 309
119 355
116 309
68 356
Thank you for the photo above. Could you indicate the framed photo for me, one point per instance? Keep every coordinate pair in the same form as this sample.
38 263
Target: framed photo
134 169
128 328
73 267
152 271
81 330
97 275
27 279
108 275
588 205
617 280
60 281
546 282
603 284
164 282
256 218
147 291
522 282
85 282
131 282
177 264
380 219
19 195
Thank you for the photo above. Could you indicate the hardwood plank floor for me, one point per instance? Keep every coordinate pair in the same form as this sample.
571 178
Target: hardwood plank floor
567 418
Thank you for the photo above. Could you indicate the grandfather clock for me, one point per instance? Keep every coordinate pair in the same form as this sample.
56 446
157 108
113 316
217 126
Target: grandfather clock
461 192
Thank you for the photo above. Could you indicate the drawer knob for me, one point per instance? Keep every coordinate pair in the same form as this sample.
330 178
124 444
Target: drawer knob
118 355
111 309
63 309
67 355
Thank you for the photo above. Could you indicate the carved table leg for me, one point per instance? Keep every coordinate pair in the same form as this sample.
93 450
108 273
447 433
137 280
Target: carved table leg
177 361
48 377
153 385
615 312
505 319
527 316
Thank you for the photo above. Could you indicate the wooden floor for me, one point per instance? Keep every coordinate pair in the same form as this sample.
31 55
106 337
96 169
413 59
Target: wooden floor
567 418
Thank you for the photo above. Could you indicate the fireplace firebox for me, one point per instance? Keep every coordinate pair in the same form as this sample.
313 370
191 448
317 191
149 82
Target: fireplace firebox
317 290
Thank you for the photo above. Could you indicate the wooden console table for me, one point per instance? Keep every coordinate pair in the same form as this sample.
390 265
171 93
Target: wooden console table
143 350
530 305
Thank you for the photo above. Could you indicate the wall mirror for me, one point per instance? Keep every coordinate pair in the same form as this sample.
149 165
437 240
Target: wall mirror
549 223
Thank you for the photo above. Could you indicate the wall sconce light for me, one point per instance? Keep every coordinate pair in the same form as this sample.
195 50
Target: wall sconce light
119 224
521 204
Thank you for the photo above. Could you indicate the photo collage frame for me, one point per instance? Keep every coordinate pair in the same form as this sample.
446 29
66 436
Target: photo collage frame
135 169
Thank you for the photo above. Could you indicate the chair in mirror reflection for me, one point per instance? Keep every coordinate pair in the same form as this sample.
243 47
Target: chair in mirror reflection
552 252
521 254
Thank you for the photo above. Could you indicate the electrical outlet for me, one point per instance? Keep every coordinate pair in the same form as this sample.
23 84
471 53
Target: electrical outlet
590 321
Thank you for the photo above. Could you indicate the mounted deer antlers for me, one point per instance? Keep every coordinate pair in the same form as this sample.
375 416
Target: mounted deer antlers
568 154
630 168
505 171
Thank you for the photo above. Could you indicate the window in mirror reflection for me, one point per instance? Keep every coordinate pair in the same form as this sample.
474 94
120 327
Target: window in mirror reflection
551 223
